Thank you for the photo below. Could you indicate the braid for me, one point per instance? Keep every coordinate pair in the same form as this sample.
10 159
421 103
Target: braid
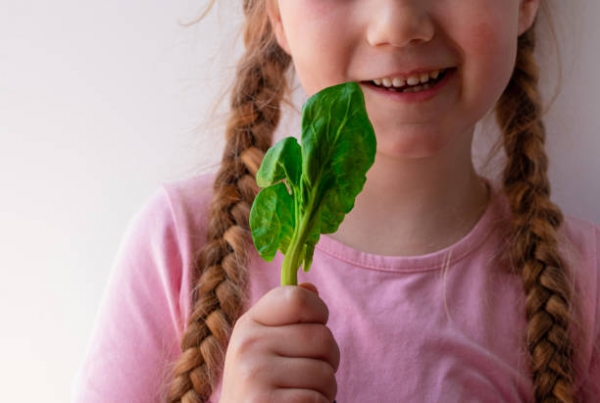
220 292
534 248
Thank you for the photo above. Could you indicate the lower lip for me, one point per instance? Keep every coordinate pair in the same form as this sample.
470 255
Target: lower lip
420 96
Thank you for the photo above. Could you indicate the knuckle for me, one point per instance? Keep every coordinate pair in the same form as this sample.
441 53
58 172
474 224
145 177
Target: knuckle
324 336
246 339
335 351
318 337
326 345
251 371
328 382
305 306
297 299
332 386
242 322
246 344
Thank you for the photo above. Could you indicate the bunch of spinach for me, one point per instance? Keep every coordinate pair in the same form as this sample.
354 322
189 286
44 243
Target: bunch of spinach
309 188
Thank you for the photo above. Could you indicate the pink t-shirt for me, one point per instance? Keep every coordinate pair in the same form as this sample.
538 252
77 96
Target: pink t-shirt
448 326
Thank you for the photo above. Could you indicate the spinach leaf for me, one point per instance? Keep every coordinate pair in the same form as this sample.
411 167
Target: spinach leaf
309 188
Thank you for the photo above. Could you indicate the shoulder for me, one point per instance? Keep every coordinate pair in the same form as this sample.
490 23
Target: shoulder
187 201
175 212
580 246
146 303
163 238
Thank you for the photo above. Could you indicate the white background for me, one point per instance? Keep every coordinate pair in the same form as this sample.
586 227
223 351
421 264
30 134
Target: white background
100 102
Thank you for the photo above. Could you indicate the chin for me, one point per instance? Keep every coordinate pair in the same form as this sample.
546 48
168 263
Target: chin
411 146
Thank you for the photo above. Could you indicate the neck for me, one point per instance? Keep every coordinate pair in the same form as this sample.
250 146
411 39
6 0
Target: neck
415 206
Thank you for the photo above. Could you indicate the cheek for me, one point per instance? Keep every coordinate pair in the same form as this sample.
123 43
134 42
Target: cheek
490 40
319 52
315 76
494 48
484 32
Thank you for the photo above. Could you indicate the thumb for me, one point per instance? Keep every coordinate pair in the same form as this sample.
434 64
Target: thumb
310 287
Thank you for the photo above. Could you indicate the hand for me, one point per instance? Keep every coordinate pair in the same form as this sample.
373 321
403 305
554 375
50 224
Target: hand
281 351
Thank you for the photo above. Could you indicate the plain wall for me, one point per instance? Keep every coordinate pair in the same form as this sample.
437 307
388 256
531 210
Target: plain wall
102 102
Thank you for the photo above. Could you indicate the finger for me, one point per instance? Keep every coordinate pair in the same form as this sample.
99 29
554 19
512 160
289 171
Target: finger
304 373
309 286
288 305
297 395
305 340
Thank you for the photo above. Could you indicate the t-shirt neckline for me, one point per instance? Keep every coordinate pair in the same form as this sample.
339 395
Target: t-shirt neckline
431 261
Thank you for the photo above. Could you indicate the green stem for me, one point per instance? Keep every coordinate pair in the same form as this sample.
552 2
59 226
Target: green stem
293 258
289 268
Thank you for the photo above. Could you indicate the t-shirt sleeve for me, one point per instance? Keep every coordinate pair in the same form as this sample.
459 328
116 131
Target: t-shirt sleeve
139 326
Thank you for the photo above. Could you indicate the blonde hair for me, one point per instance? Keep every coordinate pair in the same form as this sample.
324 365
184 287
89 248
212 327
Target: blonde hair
220 290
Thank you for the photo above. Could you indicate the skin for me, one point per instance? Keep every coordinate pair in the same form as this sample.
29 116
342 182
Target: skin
282 351
422 193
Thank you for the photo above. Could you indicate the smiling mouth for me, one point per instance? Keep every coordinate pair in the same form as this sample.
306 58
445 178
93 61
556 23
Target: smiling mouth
412 83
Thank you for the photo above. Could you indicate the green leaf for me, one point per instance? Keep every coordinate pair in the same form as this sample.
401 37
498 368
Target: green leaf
282 161
309 188
272 220
338 147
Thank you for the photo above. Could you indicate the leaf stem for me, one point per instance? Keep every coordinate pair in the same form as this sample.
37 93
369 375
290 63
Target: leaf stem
292 260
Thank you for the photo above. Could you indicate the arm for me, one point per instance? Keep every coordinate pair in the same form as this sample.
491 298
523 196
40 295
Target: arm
140 322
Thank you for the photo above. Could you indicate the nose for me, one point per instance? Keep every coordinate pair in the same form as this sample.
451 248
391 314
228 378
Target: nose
400 23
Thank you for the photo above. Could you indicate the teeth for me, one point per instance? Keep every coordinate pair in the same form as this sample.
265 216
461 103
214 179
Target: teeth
417 88
412 80
398 82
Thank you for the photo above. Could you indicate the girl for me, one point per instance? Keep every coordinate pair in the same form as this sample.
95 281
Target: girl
438 286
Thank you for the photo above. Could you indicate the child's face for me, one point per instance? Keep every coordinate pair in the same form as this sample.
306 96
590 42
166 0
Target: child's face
335 41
